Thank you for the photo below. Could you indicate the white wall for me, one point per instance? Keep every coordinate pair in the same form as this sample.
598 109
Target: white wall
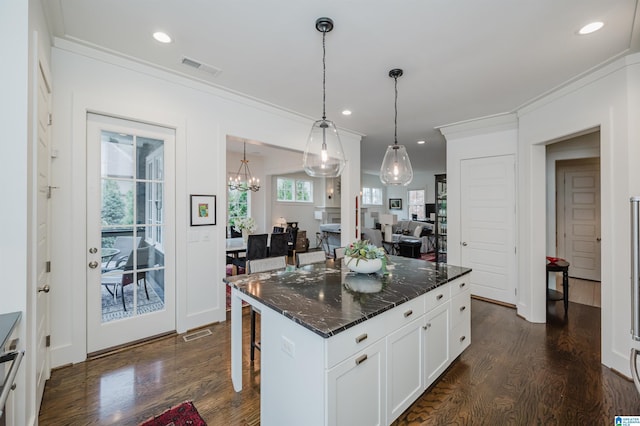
203 117
607 99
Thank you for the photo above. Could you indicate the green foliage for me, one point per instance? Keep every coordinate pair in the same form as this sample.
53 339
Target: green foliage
113 205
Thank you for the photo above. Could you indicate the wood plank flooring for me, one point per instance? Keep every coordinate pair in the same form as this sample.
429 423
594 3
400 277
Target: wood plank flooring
514 373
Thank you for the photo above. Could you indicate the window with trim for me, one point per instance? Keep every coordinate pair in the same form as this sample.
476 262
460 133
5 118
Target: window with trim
372 196
294 190
416 203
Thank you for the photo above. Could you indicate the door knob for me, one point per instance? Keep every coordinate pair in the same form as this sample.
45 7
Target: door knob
93 250
464 244
93 265
45 288
598 239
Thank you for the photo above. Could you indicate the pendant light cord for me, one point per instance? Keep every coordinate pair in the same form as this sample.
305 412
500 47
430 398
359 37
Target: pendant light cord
395 135
324 76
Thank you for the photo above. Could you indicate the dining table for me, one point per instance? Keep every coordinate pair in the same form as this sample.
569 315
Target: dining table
235 246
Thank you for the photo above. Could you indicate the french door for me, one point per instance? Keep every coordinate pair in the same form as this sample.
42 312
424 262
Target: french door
130 235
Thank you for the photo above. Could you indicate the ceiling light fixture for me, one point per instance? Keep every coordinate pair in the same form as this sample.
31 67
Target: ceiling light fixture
421 142
244 181
162 37
591 28
396 166
346 112
323 156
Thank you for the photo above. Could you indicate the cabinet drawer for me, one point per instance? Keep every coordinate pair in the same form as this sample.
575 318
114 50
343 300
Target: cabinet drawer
357 338
460 309
437 297
460 284
460 339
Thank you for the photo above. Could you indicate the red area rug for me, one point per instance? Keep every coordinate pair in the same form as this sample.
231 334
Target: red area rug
180 415
431 257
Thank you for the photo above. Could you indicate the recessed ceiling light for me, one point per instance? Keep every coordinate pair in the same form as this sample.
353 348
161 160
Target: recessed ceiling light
421 142
346 112
590 28
162 37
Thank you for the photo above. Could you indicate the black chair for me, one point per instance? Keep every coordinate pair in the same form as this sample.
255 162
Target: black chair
292 232
234 233
279 245
278 230
256 249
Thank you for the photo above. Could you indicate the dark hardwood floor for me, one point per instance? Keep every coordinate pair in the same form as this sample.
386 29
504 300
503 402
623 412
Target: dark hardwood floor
514 373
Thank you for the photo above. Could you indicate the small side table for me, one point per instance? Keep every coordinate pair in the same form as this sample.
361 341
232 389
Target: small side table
559 266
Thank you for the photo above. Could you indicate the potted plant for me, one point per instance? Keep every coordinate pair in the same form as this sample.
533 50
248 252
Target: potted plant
363 257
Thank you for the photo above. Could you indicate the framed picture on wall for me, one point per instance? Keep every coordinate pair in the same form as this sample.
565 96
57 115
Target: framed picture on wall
203 210
395 203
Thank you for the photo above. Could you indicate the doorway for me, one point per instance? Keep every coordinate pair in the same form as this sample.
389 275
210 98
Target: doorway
130 231
573 214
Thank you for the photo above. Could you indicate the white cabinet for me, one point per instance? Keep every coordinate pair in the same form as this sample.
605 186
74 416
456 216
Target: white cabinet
436 343
356 388
404 367
460 335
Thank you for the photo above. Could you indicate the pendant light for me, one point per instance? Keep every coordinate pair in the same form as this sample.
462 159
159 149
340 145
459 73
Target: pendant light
323 156
396 166
244 181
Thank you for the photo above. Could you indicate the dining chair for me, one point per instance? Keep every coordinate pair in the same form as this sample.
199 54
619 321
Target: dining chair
279 245
310 257
256 249
338 253
255 266
124 244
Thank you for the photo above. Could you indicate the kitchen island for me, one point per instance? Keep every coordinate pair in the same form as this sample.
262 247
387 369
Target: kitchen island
344 348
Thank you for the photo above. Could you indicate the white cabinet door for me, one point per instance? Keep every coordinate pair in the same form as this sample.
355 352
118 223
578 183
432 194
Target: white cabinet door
404 367
437 355
460 335
356 388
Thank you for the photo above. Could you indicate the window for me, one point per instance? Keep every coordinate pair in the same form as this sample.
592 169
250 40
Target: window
372 196
294 190
416 203
237 205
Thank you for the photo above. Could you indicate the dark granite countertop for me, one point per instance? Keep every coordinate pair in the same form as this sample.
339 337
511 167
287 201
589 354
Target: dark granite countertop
322 298
7 323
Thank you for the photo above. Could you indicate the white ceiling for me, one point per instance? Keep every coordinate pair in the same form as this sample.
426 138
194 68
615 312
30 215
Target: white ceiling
462 59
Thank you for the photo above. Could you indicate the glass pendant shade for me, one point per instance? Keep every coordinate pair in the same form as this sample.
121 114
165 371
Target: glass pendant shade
323 156
396 167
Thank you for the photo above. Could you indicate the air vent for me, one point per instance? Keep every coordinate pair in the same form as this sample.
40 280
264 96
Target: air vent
210 69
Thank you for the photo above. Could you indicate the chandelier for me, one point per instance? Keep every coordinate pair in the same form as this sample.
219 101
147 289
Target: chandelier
323 156
396 168
243 180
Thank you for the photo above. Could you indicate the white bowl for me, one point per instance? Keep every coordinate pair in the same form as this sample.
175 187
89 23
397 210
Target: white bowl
362 283
363 266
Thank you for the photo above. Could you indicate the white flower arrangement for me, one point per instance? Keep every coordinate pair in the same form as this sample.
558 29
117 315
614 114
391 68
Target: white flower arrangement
243 223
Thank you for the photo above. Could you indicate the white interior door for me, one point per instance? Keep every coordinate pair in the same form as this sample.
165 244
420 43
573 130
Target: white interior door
487 228
130 235
43 368
580 208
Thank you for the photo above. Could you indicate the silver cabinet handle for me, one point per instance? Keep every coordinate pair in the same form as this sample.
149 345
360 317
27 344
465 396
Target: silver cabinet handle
462 284
427 326
93 264
462 308
463 338
45 288
361 359
408 313
440 296
464 244
361 337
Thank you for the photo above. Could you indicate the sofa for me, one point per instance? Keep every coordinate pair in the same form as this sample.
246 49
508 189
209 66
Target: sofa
415 229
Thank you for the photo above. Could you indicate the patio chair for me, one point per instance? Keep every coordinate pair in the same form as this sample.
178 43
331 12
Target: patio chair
111 278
